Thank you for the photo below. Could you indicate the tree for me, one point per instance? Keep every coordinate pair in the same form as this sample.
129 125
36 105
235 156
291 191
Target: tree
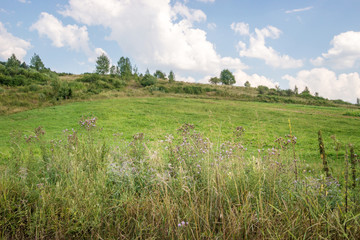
214 80
112 70
358 101
306 91
125 68
36 63
171 77
159 74
226 77
13 62
247 84
102 64
296 90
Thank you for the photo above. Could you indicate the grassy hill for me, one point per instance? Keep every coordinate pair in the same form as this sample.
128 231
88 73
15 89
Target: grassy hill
93 156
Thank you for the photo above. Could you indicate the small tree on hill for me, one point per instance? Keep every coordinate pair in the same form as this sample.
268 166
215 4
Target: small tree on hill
112 70
36 63
247 84
125 68
159 74
227 78
102 64
13 62
358 101
214 80
296 90
171 77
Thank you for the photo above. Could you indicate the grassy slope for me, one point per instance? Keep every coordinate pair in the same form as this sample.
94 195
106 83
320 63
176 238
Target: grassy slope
156 117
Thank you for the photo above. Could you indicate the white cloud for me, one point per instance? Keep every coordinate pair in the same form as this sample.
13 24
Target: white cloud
211 26
257 48
71 36
299 10
345 51
163 37
254 79
10 44
192 15
241 28
24 1
327 83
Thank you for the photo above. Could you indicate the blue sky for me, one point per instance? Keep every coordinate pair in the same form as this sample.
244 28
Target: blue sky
266 42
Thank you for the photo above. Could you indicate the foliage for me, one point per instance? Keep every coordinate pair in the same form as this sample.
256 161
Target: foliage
171 77
247 84
125 68
214 80
186 186
262 89
102 64
227 78
159 74
13 62
36 63
148 80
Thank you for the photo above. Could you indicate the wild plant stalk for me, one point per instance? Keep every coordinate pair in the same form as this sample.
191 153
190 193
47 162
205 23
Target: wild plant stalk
353 165
346 183
294 155
323 154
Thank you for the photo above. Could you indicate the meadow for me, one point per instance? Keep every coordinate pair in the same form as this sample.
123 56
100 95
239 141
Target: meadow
179 168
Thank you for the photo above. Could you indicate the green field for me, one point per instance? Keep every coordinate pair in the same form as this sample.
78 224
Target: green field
208 180
216 119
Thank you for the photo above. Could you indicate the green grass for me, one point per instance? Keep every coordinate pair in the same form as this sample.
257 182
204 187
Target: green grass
156 117
113 183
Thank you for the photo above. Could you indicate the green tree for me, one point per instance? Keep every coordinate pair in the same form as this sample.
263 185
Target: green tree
296 90
214 80
306 91
227 78
13 62
358 101
36 63
159 74
112 70
171 77
247 84
148 80
125 68
102 64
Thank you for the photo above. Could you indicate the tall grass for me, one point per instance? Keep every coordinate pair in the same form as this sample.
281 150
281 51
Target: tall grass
183 187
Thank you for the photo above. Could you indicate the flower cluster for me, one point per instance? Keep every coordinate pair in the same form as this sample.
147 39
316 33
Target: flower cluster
88 122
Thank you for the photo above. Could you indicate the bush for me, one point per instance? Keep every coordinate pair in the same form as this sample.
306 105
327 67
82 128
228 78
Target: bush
262 89
89 77
148 80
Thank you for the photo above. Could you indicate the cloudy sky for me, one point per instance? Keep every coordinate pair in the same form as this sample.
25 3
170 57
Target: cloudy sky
266 42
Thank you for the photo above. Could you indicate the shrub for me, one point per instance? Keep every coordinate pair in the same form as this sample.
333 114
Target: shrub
148 80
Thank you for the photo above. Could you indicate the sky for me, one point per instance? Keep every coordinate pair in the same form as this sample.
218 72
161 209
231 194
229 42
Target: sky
266 42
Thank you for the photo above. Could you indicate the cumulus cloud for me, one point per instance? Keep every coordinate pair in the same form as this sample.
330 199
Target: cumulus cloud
192 15
10 44
345 51
257 47
155 34
241 28
71 36
327 83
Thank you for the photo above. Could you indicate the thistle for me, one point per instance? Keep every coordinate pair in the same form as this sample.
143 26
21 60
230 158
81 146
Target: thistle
323 154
